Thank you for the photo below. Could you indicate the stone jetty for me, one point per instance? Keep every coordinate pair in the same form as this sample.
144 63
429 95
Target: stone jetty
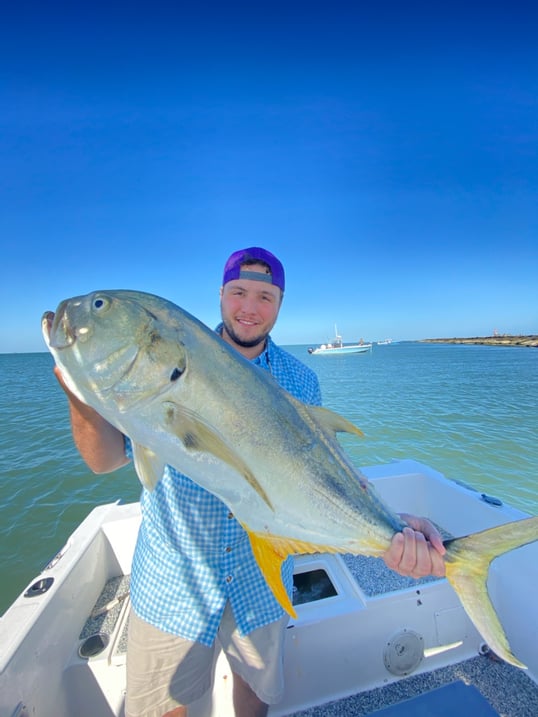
497 340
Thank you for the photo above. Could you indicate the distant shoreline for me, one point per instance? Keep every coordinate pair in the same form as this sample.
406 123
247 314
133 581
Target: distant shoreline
505 340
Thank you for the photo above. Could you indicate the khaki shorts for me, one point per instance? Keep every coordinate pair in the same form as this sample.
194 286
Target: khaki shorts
165 671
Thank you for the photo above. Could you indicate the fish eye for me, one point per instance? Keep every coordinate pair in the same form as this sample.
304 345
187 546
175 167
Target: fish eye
100 304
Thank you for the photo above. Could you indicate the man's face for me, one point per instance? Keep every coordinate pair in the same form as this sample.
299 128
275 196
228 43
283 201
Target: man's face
249 311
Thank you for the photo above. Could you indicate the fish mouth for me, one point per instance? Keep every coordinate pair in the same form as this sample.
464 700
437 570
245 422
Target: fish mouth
46 324
57 330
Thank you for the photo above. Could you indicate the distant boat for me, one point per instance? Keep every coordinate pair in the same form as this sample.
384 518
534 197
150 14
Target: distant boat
337 346
385 342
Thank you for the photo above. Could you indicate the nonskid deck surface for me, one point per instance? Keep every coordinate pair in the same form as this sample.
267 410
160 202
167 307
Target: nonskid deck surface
375 578
507 689
107 609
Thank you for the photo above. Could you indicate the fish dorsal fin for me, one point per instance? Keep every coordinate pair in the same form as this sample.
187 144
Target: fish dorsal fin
148 466
197 435
332 421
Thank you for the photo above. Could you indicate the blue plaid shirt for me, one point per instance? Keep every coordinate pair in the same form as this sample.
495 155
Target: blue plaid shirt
192 555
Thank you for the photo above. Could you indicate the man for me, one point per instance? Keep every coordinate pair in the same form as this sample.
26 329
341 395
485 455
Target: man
195 583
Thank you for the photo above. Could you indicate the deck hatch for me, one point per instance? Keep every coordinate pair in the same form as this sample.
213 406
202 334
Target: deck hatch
311 586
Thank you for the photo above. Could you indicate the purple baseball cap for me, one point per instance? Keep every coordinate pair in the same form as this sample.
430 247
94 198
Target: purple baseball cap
238 259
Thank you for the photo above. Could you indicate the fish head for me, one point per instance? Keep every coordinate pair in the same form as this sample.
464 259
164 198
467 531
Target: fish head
110 346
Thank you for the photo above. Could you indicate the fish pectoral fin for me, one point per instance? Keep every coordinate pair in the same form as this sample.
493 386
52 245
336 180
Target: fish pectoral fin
197 435
148 466
332 421
270 556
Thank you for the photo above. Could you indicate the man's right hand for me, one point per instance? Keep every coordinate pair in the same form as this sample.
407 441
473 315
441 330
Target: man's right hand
100 444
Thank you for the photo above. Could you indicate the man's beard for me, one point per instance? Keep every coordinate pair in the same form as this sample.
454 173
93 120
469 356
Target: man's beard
256 341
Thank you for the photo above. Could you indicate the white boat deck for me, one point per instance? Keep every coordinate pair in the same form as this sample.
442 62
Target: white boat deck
364 640
500 688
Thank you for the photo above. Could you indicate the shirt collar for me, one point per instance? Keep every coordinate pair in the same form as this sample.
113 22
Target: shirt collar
264 359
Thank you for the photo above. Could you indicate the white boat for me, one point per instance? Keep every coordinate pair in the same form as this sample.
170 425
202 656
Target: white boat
337 346
385 342
364 638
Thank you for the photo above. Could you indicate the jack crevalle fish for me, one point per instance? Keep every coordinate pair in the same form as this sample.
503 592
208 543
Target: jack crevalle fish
187 399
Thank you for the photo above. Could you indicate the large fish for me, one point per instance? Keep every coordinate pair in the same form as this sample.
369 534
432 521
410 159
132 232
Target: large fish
185 398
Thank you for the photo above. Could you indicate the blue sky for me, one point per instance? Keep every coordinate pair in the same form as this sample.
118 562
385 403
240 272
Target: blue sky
387 154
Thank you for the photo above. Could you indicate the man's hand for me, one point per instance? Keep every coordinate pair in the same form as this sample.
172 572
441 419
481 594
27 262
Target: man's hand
418 550
99 443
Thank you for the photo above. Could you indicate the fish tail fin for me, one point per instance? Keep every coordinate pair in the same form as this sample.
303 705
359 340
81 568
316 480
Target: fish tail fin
467 564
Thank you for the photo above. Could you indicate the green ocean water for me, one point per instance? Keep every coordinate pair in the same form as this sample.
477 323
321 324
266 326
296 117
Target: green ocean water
470 412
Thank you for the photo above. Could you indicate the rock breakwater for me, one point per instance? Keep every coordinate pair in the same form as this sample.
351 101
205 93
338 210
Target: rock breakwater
504 340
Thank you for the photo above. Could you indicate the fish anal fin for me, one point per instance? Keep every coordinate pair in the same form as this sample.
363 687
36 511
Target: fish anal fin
197 435
270 552
149 467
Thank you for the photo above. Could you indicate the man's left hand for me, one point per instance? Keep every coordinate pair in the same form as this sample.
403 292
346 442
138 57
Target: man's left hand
418 550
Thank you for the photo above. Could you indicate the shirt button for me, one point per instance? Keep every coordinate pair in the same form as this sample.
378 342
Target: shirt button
230 515
228 550
229 579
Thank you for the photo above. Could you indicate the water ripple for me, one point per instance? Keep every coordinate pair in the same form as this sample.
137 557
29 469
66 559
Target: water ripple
469 412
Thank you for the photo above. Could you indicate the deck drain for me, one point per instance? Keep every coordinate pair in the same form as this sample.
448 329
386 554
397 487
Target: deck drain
93 645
